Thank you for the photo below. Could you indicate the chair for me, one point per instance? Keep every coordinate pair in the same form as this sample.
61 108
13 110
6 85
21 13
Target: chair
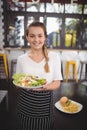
13 66
83 64
70 59
4 71
67 69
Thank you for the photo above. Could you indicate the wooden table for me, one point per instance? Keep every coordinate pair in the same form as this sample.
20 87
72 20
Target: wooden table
4 95
78 121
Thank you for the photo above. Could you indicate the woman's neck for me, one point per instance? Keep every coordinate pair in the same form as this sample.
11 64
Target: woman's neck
36 52
37 56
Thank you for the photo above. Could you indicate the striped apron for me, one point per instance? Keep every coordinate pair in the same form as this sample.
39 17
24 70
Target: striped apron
34 110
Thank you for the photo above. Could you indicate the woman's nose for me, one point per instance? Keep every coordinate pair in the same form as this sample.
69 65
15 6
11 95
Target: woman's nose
36 38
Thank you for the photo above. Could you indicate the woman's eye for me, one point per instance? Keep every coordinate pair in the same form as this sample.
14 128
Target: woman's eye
40 36
31 36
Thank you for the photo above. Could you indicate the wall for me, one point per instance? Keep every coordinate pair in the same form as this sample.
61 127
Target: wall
14 53
64 55
1 25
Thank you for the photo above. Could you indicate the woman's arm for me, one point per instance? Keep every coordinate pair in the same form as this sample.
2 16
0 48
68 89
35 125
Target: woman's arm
52 86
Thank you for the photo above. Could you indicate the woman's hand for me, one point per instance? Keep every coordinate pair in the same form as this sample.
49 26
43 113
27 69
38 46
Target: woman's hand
51 86
38 89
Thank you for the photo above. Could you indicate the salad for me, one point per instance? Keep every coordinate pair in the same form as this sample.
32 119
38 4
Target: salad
25 80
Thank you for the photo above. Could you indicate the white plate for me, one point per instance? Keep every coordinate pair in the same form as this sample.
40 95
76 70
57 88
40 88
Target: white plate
60 107
30 87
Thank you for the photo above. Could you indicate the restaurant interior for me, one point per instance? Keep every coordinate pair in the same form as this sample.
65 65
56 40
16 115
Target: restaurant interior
66 23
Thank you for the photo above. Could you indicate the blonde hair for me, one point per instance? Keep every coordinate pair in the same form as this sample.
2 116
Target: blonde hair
46 66
40 24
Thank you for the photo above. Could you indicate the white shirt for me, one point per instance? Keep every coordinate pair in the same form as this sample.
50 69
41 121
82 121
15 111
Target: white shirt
28 66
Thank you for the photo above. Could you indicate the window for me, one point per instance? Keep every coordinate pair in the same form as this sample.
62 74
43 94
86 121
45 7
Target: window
54 33
16 31
66 23
71 32
73 8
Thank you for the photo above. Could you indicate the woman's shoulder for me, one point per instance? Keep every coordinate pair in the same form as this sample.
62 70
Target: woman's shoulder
22 56
53 54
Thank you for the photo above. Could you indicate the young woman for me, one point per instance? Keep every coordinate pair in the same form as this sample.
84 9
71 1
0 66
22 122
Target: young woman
34 107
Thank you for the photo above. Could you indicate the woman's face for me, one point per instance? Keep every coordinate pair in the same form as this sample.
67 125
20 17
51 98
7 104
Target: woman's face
36 37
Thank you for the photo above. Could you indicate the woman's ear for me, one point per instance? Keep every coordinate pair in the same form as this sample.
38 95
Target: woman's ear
27 37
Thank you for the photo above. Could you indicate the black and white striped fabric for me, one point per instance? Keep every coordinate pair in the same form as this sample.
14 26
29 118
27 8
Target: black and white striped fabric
34 110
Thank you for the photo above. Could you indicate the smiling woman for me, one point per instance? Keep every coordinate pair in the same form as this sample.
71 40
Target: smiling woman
35 107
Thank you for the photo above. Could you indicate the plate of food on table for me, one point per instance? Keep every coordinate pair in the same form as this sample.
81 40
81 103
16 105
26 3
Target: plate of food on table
67 105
